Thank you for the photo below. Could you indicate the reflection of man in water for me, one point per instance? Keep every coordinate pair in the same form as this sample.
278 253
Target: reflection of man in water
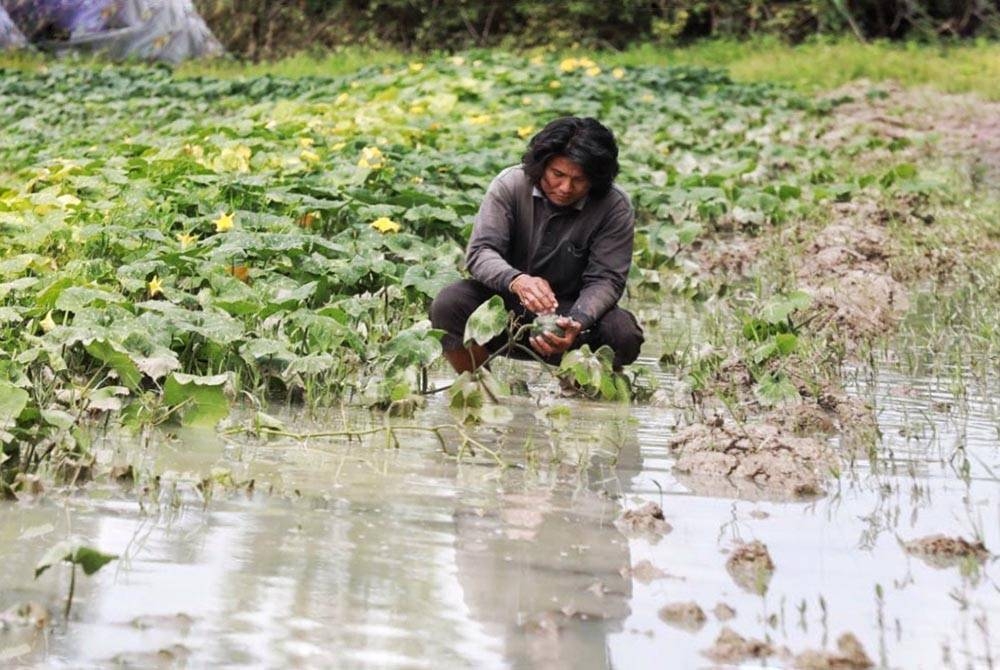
546 570
553 235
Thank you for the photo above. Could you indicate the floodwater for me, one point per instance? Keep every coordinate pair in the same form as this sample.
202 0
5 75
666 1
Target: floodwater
358 555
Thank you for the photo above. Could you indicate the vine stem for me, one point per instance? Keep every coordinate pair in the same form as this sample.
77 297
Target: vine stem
390 435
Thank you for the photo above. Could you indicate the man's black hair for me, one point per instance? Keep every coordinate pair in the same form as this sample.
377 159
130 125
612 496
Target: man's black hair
585 141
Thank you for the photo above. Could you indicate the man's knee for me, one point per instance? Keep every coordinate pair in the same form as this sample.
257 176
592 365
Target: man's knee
452 307
619 330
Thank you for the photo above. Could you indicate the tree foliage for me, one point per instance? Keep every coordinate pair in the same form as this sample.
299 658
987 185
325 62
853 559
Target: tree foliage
258 29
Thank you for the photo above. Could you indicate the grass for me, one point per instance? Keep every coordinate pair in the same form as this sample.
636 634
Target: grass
972 67
823 65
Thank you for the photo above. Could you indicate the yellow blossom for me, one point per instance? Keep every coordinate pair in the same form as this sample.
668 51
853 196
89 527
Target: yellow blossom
555 83
186 239
342 98
154 286
306 142
586 62
224 222
569 64
417 109
371 158
338 146
416 67
618 73
526 100
479 119
536 60
647 97
309 156
524 131
593 71
384 225
48 323
194 150
417 179
457 60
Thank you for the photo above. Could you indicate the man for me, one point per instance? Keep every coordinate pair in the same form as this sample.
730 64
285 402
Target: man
553 235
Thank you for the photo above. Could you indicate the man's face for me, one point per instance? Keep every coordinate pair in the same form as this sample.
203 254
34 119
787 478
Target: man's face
563 181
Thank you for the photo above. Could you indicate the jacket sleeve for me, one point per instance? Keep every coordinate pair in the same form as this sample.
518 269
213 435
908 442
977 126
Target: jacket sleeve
608 266
489 244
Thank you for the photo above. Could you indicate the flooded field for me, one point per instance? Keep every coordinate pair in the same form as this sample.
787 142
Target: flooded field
356 554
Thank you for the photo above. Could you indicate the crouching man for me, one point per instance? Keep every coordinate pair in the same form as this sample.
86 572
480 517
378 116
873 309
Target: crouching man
553 235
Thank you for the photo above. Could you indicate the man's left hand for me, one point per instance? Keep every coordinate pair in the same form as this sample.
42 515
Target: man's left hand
550 344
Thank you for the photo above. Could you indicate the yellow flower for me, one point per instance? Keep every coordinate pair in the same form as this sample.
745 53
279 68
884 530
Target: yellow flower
309 156
524 131
457 60
586 62
342 98
186 240
417 109
593 71
48 323
618 73
371 158
384 225
555 83
306 142
526 100
569 64
479 119
154 286
647 97
536 60
416 67
224 222
338 146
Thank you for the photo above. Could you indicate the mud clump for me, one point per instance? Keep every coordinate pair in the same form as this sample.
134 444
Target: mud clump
645 572
731 648
859 305
646 521
751 567
687 615
941 551
724 612
761 459
850 655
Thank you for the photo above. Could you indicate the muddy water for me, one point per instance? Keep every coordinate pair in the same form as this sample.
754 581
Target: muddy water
358 555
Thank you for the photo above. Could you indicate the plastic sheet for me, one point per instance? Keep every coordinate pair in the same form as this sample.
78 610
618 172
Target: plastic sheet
165 30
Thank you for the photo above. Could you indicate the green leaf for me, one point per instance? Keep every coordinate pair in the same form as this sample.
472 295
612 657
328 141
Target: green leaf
778 309
204 398
73 551
117 358
13 400
488 321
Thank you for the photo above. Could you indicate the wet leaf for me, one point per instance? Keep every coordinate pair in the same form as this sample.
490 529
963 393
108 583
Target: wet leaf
488 321
73 551
203 397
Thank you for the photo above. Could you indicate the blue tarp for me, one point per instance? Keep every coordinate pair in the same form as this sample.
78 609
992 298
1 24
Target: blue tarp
10 36
167 30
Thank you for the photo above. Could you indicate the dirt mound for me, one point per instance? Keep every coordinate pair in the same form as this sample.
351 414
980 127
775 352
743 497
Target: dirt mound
646 521
751 567
732 648
688 616
850 655
759 460
941 551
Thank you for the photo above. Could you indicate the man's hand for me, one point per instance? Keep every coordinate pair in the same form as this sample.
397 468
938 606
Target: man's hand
534 293
550 344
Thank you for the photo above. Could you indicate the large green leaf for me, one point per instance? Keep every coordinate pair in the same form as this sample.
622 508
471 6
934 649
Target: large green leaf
488 321
202 398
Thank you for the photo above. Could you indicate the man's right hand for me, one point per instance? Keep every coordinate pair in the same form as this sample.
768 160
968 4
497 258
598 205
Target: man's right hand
534 293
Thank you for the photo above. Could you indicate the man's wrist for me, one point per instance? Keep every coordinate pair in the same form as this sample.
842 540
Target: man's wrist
510 286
